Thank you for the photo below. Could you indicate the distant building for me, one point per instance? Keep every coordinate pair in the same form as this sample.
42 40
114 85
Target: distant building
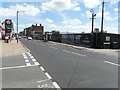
34 31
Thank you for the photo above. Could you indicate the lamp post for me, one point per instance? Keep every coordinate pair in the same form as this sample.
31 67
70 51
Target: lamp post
93 15
17 24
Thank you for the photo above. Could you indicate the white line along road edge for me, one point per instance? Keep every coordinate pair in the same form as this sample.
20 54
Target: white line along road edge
48 75
56 85
112 63
42 68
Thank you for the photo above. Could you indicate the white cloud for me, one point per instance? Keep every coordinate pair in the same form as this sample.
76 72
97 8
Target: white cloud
88 14
91 3
109 18
114 1
52 26
116 9
111 29
78 28
59 5
77 8
30 10
82 15
48 20
71 28
99 13
72 22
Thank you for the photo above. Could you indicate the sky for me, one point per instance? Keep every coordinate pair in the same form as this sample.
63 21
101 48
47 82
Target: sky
61 15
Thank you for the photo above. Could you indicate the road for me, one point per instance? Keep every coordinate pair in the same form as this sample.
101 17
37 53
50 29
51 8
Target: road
73 68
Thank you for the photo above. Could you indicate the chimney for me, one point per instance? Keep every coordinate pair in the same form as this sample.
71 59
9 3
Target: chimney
40 25
36 24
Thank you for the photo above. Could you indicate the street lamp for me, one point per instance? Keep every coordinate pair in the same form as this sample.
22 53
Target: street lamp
17 24
93 15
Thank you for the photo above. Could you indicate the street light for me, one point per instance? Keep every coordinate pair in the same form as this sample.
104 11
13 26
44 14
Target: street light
17 24
93 15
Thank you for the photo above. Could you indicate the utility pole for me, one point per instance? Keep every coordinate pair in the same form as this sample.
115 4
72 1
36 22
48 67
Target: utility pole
102 16
102 24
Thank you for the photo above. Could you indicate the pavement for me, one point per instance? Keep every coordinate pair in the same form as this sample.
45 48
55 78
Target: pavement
20 69
12 48
110 52
75 68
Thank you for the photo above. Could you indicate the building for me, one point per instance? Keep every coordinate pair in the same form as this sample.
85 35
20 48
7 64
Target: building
34 31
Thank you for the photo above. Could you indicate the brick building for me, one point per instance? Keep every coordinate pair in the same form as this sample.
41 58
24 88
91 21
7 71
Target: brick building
35 31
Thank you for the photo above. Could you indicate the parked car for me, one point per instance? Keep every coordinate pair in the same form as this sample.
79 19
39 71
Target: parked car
29 38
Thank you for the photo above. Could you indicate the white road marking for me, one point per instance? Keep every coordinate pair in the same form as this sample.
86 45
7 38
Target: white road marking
28 64
112 63
31 57
66 51
53 47
33 60
28 53
16 67
42 68
74 53
48 75
27 60
56 85
43 80
25 57
36 63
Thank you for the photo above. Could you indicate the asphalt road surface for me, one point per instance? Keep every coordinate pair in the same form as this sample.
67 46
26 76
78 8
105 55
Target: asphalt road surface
73 68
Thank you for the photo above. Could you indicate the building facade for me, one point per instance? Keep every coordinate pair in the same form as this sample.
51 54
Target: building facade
35 31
